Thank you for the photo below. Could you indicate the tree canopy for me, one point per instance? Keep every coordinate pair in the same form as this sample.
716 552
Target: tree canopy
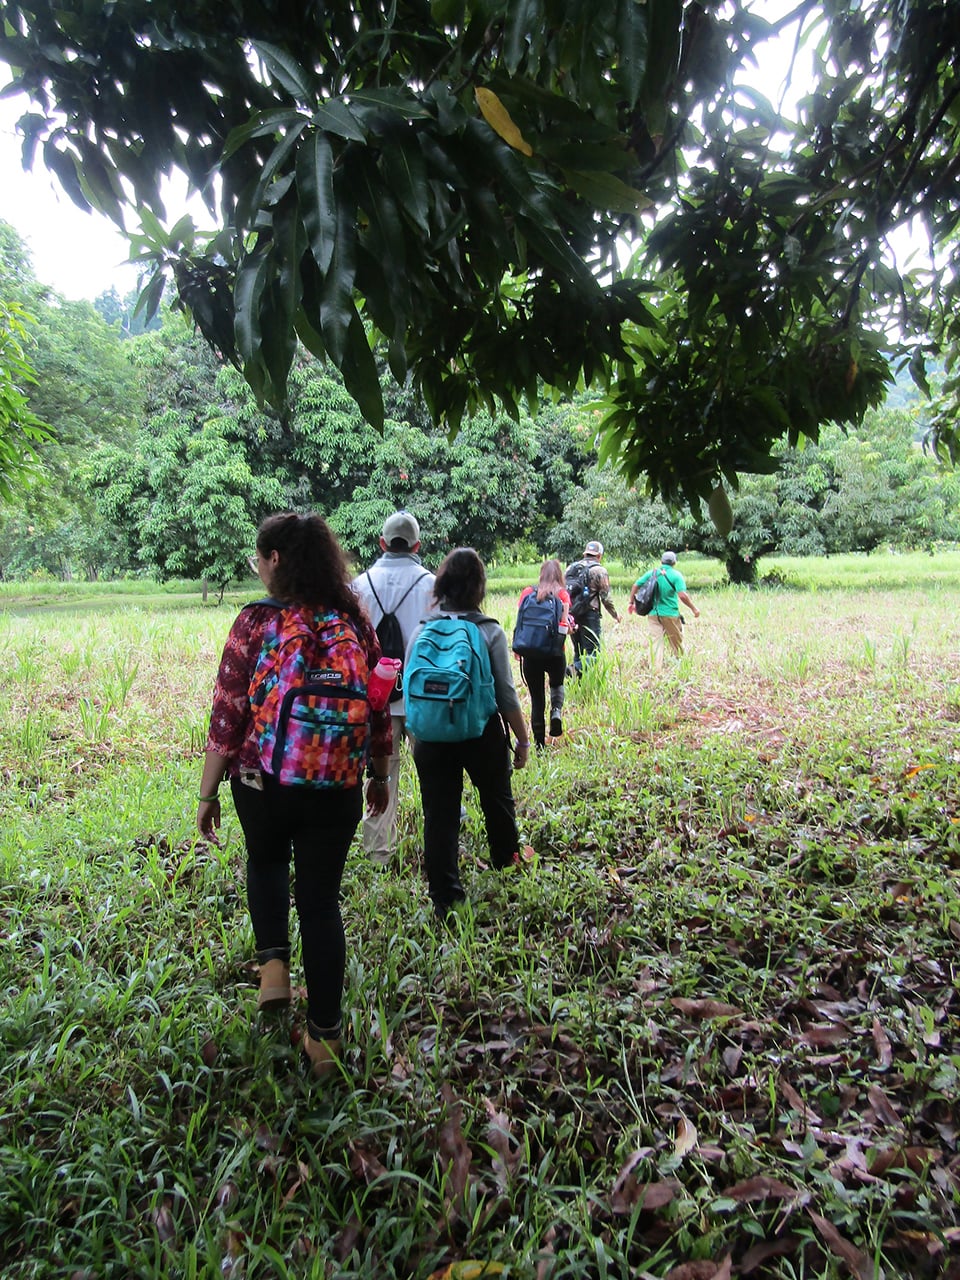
460 182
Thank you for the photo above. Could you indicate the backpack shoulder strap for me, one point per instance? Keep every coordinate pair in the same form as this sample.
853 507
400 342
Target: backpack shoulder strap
423 575
276 604
374 590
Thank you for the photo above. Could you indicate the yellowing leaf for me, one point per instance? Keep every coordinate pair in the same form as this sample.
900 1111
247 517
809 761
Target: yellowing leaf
917 768
468 1270
498 118
686 1138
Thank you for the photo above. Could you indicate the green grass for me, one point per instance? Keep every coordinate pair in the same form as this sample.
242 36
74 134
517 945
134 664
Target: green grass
718 1016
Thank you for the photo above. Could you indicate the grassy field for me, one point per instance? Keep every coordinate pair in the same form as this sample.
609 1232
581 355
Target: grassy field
712 1030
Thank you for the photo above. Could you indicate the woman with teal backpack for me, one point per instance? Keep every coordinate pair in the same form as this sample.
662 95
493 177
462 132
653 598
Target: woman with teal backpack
486 758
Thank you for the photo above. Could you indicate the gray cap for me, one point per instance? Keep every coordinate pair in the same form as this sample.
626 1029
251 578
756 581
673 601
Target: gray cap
401 525
593 548
668 557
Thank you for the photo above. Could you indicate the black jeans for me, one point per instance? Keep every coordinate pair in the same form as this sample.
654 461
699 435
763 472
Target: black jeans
440 767
317 825
535 672
586 639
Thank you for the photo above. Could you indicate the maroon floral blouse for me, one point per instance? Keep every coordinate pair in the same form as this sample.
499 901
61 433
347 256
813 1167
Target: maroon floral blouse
231 724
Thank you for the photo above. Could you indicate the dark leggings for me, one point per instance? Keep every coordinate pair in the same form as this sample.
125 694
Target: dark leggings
440 767
317 825
535 672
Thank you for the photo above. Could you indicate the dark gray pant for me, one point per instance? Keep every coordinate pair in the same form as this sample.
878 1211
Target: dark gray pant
441 766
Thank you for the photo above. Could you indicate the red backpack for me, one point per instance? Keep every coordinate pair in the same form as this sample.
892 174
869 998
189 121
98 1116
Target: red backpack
308 695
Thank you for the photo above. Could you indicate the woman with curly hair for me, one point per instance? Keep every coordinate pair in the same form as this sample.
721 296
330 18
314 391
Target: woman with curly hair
303 567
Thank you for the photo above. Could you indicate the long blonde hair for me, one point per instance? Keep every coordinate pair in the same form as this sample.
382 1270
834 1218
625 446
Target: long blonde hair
551 579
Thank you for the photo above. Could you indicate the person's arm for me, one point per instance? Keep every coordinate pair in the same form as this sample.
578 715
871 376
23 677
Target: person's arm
230 714
632 604
208 806
608 604
521 749
682 595
378 784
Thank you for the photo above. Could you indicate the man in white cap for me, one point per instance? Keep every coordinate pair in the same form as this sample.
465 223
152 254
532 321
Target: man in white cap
663 620
397 592
589 585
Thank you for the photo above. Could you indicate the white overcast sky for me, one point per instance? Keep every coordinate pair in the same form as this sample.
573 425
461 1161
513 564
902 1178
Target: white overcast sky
79 254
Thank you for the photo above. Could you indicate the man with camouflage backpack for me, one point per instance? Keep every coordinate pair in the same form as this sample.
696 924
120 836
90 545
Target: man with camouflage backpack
397 593
589 586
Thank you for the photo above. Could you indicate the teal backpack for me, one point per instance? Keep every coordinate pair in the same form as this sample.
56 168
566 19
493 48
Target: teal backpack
448 683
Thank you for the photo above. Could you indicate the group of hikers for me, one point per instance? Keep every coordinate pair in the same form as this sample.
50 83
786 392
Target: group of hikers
296 730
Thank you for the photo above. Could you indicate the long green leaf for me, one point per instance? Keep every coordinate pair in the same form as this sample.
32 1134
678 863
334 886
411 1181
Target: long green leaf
251 278
606 191
334 116
406 176
286 70
336 299
259 125
316 193
360 374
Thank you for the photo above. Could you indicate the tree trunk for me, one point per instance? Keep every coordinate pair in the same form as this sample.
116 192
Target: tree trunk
205 591
741 570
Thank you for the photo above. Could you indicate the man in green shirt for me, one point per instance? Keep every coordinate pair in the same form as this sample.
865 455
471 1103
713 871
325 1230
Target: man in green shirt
664 618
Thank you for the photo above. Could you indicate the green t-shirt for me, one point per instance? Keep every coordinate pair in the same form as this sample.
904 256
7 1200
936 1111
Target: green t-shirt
671 583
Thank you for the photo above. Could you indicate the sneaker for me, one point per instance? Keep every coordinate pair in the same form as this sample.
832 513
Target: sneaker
556 726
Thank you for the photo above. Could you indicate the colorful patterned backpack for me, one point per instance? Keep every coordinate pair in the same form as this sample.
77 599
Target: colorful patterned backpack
308 695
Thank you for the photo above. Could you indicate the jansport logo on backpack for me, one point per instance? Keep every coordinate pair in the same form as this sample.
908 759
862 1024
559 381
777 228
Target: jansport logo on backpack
389 632
646 596
537 630
577 581
448 682
308 695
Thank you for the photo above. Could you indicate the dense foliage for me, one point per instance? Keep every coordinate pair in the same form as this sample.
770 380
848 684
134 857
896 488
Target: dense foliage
455 181
162 463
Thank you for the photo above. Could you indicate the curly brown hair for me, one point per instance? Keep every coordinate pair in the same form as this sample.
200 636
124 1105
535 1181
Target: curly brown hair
312 569
461 580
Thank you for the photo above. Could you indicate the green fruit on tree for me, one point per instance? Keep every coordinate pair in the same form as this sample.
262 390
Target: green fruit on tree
721 512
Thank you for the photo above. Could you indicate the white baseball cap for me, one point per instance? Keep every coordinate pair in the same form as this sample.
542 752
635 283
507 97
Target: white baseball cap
401 525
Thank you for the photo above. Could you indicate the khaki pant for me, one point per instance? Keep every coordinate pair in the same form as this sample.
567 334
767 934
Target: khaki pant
661 629
380 829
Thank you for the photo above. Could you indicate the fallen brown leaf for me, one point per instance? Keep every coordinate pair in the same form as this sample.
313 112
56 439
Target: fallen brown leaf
860 1265
798 1104
819 1037
364 1164
883 1108
701 1269
761 1188
758 1254
881 1042
705 1008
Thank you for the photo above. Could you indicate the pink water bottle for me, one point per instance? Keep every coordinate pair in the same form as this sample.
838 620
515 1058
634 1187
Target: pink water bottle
381 683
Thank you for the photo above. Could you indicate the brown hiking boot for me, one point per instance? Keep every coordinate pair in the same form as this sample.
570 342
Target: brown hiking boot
274 985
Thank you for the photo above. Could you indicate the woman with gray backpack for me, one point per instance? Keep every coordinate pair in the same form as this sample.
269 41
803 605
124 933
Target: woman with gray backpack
539 640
